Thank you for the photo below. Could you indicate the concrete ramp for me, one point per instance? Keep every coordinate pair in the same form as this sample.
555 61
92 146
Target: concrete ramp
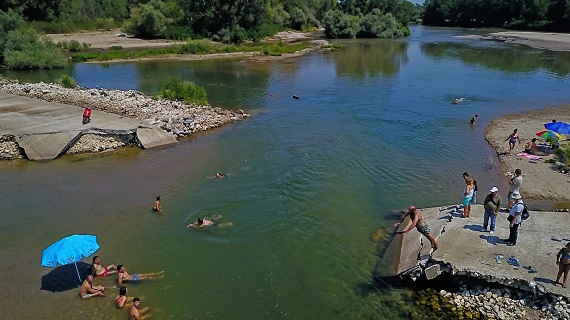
47 146
152 136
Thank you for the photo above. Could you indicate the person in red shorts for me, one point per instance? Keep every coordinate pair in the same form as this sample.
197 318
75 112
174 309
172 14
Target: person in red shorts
100 271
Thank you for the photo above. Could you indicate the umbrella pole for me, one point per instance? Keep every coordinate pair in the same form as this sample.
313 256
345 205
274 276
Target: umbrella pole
77 272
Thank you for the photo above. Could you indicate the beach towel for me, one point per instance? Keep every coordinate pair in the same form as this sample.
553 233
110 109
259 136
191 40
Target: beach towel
529 156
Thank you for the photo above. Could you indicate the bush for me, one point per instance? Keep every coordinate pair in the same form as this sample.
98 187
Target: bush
564 153
74 46
67 81
175 89
24 49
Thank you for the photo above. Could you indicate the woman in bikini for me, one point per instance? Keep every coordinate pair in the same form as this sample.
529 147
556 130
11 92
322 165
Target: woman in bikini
468 196
513 137
121 298
124 276
563 262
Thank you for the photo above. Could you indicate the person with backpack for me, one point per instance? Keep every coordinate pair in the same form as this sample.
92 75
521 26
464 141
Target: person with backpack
492 205
515 219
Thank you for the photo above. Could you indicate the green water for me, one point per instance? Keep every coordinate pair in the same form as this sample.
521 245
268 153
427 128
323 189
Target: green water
310 180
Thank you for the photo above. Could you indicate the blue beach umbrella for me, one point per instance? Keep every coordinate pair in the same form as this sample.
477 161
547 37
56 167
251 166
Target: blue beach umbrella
70 249
560 127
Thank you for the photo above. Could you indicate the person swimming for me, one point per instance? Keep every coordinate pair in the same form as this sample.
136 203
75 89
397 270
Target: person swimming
201 222
457 101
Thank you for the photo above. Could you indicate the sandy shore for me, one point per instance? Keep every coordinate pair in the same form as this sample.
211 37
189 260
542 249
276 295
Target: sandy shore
541 181
107 39
539 40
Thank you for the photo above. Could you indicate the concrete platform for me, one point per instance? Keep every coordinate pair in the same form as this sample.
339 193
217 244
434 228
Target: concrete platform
45 130
466 249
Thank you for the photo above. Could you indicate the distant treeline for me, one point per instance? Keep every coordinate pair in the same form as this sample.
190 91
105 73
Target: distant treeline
224 20
227 21
541 15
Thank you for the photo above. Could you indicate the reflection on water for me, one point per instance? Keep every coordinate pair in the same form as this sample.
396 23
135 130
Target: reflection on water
370 58
312 188
506 58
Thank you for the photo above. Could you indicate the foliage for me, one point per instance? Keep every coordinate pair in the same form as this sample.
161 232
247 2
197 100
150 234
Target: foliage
564 154
9 21
341 25
73 26
551 15
175 89
25 49
149 20
67 81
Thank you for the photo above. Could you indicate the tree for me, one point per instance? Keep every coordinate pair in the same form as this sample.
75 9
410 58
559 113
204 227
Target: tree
148 20
25 49
298 19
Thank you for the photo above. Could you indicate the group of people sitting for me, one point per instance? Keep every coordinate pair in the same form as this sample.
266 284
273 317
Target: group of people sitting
88 290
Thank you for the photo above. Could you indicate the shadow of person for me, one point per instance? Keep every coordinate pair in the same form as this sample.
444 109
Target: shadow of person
64 278
494 240
544 280
474 227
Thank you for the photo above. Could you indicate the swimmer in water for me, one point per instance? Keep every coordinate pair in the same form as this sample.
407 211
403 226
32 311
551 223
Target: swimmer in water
201 222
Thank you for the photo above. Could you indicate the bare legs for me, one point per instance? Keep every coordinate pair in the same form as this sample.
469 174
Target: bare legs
563 269
432 241
152 275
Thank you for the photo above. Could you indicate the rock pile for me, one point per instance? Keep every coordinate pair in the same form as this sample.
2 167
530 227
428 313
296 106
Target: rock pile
507 304
9 148
177 117
98 143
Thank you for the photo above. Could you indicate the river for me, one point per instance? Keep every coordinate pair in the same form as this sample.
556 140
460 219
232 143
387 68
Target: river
310 179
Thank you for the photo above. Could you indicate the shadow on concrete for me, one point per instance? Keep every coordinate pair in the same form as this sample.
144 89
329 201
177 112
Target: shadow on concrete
545 280
494 240
65 278
474 227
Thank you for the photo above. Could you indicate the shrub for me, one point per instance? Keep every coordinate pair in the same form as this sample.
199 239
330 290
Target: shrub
116 47
74 46
564 153
67 81
24 49
175 89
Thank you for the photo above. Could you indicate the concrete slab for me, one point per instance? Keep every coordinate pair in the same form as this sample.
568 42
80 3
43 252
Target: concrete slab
48 146
46 129
466 249
151 136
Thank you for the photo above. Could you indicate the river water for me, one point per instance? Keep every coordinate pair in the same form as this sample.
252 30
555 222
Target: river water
310 180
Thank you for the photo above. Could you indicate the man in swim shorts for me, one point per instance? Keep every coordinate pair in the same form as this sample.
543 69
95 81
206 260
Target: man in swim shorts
88 290
100 271
419 223
124 276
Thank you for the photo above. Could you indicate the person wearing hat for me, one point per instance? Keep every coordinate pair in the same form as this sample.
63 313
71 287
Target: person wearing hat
515 219
492 205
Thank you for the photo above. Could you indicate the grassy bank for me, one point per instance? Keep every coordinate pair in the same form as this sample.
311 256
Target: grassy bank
191 47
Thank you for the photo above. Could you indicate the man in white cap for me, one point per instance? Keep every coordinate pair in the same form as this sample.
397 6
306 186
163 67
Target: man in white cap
515 219
492 205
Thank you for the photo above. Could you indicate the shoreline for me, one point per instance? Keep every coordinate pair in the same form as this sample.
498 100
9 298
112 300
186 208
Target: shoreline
541 180
107 39
534 39
176 118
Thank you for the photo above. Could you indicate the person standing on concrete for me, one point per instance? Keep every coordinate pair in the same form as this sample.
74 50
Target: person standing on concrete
515 187
563 262
86 115
492 205
474 199
515 219
468 196
417 222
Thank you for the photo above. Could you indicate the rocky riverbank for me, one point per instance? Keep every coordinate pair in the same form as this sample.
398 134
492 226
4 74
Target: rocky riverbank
505 304
177 118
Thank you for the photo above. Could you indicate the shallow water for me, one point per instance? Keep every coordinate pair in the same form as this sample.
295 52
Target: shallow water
310 180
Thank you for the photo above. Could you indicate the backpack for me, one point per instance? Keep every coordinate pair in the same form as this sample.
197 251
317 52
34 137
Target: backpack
525 213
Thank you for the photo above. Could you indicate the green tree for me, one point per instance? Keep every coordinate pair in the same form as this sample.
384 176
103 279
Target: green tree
25 49
148 20
341 25
298 19
9 21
